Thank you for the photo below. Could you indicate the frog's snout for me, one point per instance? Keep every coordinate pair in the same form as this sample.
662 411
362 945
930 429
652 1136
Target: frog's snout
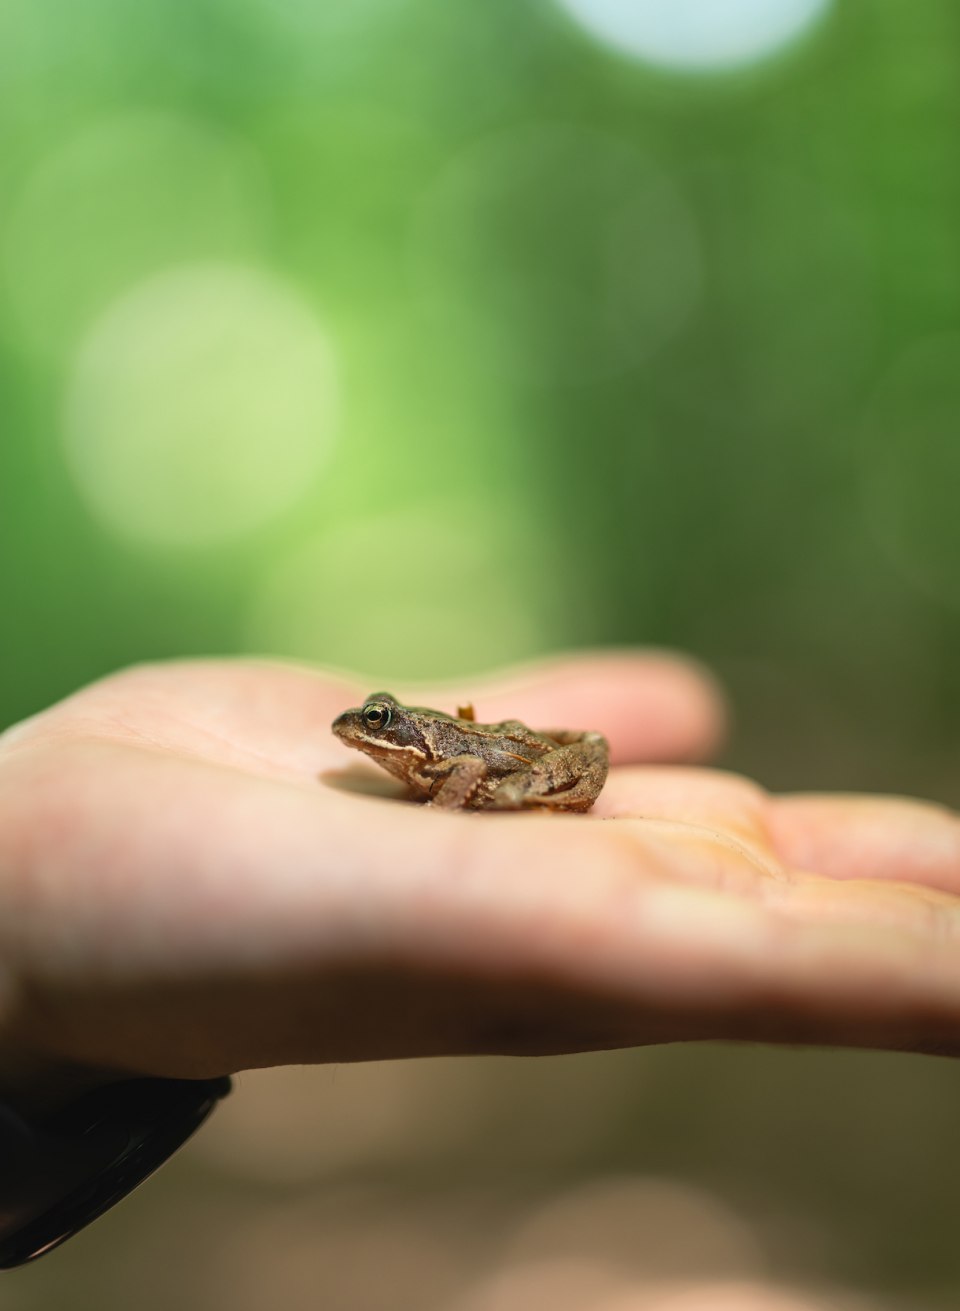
344 723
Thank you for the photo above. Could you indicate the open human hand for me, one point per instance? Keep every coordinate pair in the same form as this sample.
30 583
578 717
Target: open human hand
197 878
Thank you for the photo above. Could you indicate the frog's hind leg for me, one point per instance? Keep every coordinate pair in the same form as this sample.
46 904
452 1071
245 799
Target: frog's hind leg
569 778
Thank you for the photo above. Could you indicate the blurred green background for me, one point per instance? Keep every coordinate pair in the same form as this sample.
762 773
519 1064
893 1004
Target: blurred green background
418 336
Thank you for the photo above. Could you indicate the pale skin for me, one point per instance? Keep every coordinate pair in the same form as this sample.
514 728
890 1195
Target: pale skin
197 878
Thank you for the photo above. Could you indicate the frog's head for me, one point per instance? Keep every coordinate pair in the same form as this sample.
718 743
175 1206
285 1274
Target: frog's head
381 727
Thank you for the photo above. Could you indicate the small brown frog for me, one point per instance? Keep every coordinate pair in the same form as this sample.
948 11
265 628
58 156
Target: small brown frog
454 762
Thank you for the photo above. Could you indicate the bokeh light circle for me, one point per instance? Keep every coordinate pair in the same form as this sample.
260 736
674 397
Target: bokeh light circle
691 1232
697 35
718 1295
120 198
201 406
555 253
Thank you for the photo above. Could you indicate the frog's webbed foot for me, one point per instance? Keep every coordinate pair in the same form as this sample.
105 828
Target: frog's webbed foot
458 782
569 778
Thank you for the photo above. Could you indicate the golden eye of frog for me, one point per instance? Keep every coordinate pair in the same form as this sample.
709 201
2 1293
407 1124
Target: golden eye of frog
454 762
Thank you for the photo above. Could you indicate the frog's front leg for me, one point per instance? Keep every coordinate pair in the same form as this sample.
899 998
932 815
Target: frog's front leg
457 781
569 778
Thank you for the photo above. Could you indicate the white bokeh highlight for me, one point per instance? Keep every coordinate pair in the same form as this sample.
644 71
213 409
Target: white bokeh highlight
696 35
202 406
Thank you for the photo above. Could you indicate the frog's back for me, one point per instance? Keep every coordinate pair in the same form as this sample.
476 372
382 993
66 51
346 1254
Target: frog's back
465 737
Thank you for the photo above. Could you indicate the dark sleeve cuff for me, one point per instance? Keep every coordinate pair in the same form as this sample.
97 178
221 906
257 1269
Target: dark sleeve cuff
58 1175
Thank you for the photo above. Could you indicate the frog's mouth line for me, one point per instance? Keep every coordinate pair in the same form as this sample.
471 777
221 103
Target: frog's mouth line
389 750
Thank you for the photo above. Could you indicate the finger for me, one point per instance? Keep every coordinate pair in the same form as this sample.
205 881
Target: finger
853 837
706 941
839 837
652 705
697 798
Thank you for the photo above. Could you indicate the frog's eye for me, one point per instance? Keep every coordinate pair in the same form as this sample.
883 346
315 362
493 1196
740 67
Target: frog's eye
376 716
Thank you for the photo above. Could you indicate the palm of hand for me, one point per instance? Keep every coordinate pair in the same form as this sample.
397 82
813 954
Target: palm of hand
195 882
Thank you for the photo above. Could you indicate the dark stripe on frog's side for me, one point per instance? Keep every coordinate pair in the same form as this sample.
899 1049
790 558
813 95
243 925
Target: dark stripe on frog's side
529 744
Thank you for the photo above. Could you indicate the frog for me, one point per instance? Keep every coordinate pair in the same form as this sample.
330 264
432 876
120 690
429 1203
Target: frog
455 763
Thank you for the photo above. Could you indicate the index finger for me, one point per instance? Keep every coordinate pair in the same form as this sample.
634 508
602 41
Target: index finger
649 705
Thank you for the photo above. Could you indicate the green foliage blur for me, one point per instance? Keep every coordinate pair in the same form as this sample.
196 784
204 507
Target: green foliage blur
419 336
615 355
